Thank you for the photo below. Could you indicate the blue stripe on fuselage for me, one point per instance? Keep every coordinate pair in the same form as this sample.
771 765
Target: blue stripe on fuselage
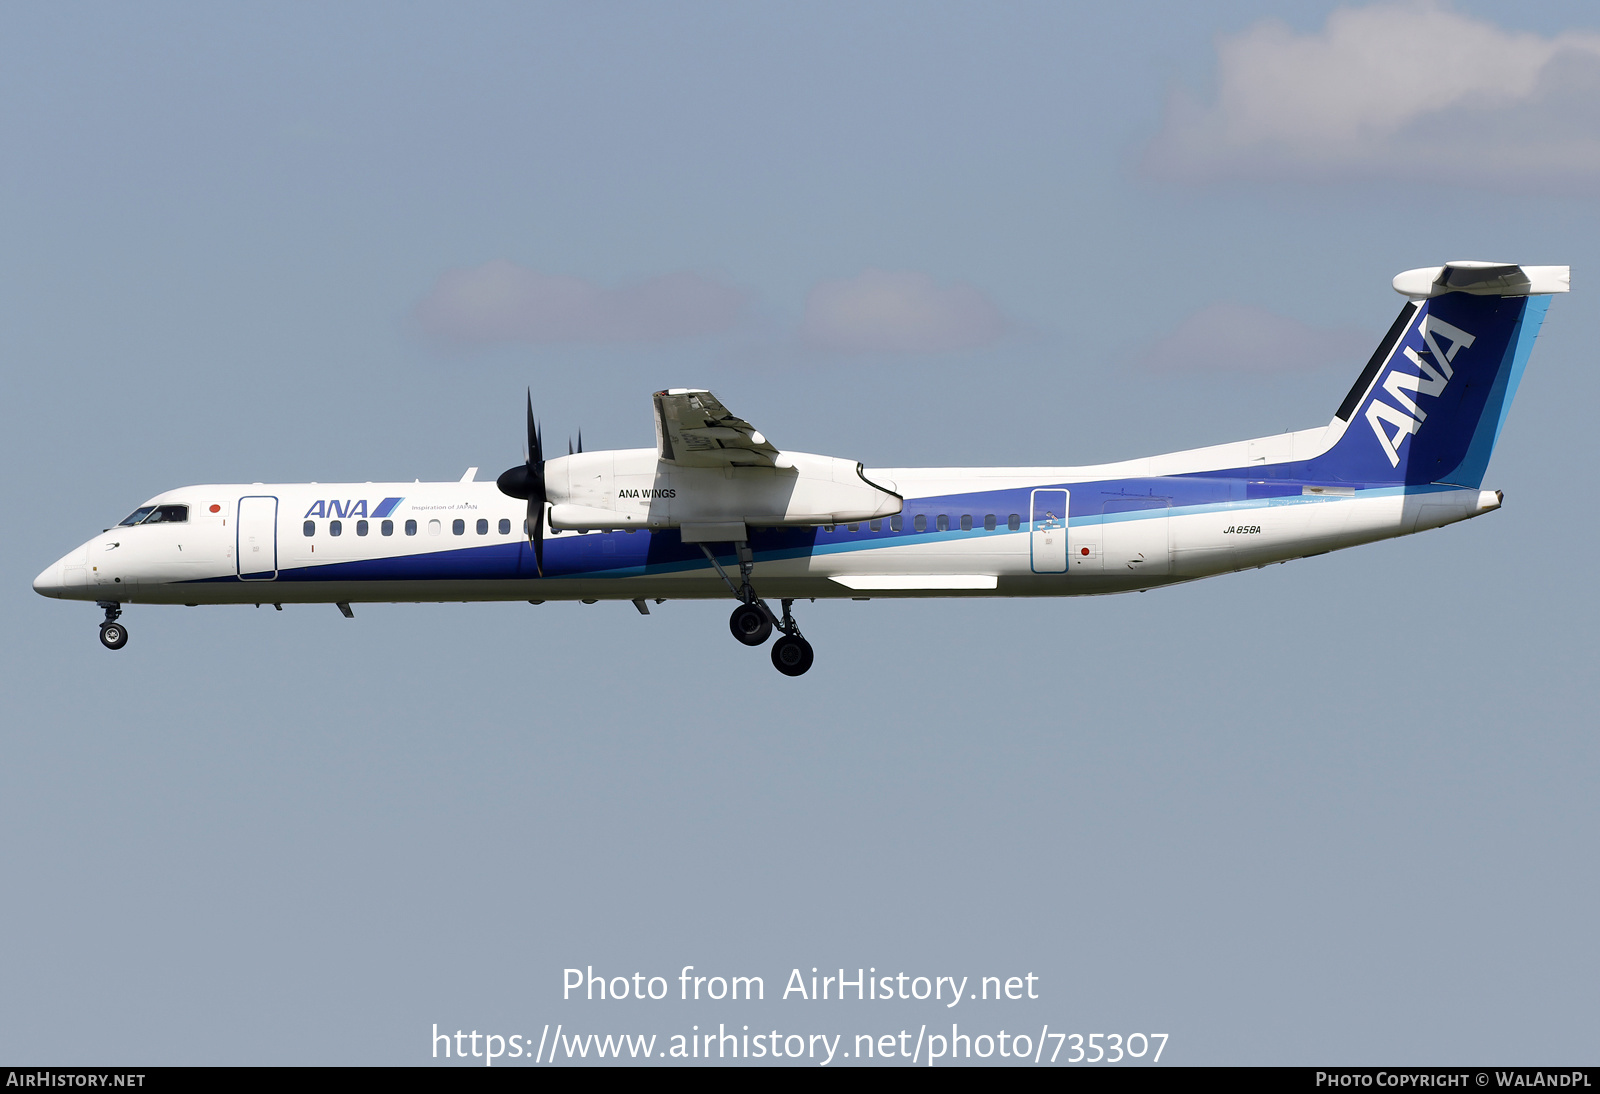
624 554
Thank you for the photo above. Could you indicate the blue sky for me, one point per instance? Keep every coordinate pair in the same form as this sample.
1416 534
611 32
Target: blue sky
1335 811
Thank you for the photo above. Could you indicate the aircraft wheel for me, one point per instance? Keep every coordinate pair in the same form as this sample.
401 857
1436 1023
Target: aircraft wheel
792 655
750 625
113 636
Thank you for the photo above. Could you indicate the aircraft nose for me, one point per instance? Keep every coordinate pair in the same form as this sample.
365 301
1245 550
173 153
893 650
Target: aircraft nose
49 582
62 578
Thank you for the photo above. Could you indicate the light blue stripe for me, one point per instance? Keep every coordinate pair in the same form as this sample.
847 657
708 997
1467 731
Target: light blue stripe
1475 464
1260 503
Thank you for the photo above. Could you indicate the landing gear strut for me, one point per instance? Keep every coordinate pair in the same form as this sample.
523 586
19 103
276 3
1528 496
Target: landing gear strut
752 621
113 635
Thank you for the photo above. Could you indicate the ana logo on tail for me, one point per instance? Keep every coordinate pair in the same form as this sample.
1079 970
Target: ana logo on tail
1431 379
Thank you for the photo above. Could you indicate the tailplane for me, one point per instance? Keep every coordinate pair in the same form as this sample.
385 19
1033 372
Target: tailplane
1429 406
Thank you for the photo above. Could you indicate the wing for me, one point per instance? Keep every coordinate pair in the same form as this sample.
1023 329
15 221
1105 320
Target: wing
693 429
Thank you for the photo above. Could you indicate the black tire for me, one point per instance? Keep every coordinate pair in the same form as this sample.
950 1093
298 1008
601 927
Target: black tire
792 655
113 636
750 625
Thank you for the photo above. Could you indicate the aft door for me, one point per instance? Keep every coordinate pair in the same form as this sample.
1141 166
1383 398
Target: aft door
256 528
1047 532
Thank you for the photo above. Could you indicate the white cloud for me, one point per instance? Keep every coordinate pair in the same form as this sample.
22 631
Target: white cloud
1410 90
503 302
1230 337
879 311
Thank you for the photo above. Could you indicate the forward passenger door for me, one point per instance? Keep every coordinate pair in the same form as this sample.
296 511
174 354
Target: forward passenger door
256 545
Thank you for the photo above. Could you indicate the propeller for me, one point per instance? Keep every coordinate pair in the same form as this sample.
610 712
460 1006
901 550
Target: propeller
527 481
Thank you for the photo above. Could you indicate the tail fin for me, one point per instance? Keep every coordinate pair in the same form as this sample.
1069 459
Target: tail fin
1429 405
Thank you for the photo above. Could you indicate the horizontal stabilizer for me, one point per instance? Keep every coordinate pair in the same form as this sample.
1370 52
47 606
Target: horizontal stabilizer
1483 279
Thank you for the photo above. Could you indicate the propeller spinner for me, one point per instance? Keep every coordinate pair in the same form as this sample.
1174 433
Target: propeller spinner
527 481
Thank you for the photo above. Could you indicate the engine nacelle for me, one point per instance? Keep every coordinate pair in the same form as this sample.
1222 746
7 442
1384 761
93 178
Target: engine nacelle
633 488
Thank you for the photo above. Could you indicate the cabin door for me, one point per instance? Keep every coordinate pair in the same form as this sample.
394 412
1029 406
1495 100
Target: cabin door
256 546
1047 532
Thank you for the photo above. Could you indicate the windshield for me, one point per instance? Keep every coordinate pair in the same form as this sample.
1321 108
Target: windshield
157 514
168 514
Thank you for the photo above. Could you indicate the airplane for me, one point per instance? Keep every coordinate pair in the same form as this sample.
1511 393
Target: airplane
716 510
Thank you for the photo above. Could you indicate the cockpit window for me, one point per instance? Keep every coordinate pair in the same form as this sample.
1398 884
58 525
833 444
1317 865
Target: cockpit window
168 514
157 514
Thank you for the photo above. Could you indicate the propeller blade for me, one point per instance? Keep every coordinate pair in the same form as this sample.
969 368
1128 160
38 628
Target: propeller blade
527 481
536 525
535 444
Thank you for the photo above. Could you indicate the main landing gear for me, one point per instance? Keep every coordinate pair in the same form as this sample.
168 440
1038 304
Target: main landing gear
752 622
791 655
113 635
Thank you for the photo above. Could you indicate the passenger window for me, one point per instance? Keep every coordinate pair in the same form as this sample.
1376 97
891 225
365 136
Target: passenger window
895 523
944 522
876 526
827 527
855 527
411 527
387 527
505 527
361 527
966 522
483 527
335 527
920 523
136 516
458 527
309 528
1014 522
434 527
988 523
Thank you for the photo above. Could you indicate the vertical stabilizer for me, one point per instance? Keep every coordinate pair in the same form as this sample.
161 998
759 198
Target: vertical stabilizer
1430 404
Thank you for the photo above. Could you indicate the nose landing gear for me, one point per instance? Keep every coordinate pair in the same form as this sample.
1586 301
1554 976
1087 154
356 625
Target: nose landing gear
113 635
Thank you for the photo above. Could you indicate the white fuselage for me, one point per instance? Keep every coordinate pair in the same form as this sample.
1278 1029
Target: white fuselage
960 532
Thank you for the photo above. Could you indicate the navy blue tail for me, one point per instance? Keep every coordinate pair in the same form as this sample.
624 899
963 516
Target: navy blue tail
1429 405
